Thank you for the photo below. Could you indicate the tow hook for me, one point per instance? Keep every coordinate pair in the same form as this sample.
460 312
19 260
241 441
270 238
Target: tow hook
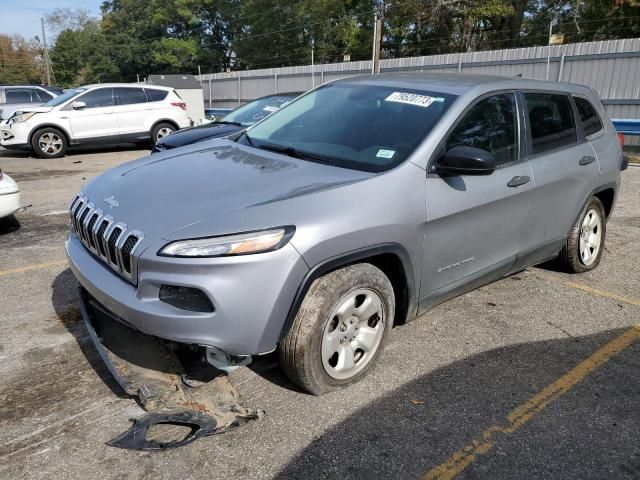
174 388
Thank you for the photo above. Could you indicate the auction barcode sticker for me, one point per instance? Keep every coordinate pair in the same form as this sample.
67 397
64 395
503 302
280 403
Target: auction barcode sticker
413 99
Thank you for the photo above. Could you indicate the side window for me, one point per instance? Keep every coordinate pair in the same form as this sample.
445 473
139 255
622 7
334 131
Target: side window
156 95
492 125
590 120
101 97
18 95
41 95
128 96
551 121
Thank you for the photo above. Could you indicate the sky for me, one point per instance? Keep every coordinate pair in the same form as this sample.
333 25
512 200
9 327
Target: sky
23 16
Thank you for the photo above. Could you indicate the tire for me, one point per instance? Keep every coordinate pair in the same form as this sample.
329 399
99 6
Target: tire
49 142
161 130
585 243
315 352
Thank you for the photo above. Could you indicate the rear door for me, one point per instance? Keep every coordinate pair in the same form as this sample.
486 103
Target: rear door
97 120
564 166
132 109
475 223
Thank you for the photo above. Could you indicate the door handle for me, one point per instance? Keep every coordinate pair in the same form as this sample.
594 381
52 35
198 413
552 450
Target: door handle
586 160
518 181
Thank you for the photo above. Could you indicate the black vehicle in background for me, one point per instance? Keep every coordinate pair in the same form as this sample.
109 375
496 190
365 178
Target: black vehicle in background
235 121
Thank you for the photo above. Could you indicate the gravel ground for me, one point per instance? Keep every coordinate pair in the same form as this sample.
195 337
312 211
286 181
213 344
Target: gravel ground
452 381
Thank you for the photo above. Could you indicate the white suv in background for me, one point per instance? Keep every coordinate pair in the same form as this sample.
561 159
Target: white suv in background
96 115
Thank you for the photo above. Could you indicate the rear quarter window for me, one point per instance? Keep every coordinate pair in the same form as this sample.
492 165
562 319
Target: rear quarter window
551 121
156 95
589 116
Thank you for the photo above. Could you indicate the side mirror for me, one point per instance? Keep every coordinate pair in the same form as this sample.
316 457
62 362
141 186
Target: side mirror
78 105
464 160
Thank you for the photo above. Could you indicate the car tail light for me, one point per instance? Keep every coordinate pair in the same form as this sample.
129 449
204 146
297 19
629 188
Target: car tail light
621 138
182 105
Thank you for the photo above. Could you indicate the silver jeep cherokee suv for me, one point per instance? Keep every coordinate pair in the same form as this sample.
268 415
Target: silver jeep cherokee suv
359 206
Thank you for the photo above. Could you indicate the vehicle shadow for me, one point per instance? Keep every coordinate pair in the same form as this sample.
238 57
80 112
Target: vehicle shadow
77 150
65 303
9 224
590 432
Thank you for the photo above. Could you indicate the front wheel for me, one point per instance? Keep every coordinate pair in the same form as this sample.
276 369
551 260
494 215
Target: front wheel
49 143
585 243
340 329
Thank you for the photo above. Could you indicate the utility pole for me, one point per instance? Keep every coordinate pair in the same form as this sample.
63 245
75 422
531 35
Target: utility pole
377 40
549 45
47 74
313 74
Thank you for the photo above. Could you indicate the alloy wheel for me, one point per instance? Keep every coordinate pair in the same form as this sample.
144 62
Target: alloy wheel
50 143
163 132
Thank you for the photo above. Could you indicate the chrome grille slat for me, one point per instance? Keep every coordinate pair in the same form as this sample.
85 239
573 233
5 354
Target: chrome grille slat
107 239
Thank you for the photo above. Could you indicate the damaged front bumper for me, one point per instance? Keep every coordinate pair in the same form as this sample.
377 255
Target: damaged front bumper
148 368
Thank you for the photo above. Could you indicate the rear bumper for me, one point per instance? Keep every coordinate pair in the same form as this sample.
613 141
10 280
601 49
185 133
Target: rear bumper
251 296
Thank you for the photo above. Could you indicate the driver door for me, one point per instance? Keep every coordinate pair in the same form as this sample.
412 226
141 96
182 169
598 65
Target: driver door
97 119
475 222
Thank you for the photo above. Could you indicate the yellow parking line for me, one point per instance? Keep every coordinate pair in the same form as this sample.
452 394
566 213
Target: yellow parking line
522 414
29 268
585 288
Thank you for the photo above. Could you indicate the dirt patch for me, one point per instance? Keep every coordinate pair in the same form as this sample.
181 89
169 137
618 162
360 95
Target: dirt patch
69 319
35 230
68 316
43 174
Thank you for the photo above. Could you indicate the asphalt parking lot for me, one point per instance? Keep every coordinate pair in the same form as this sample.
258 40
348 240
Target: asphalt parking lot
535 376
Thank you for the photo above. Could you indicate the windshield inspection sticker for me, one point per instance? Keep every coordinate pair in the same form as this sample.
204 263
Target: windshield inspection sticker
413 99
385 153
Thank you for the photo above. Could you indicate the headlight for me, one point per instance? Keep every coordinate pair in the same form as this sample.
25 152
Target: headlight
238 244
22 117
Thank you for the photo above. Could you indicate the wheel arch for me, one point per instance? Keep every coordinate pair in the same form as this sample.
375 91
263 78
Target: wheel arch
50 125
164 120
391 258
607 196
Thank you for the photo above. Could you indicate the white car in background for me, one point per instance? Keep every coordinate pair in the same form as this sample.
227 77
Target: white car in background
9 195
96 115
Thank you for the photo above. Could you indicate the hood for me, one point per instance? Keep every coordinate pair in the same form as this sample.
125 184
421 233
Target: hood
8 110
200 133
224 188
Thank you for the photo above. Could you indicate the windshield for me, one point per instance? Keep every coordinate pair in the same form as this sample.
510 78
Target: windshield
64 97
364 127
251 112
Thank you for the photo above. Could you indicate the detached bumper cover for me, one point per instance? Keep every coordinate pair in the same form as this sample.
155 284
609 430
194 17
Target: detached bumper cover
251 296
145 367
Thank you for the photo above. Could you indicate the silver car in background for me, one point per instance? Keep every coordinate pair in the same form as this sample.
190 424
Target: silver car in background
358 206
16 97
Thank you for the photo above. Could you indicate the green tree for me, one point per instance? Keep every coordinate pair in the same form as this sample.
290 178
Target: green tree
20 60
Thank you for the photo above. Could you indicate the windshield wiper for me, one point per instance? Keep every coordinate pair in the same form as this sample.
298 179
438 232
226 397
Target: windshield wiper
225 122
292 152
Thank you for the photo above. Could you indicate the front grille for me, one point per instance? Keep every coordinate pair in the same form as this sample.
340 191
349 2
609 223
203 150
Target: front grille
111 241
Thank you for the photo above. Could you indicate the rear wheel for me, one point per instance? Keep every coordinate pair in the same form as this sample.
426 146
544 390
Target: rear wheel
49 143
160 131
585 243
340 329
